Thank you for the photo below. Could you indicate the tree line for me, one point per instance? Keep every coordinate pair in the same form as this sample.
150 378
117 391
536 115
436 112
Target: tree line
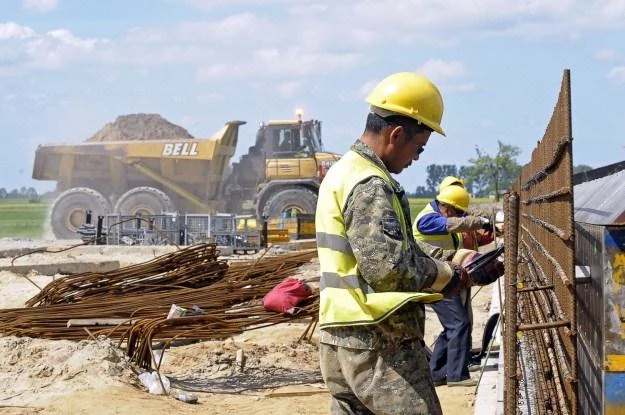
22 193
485 176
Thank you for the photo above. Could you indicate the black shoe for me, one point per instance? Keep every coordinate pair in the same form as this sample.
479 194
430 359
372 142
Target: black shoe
439 382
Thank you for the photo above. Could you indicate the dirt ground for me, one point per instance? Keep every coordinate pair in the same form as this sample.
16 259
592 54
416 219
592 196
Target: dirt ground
94 377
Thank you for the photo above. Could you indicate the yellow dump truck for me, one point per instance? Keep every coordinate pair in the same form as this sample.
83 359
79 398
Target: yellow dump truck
281 172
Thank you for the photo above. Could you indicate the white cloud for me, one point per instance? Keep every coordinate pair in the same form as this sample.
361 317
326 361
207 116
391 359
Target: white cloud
24 48
288 89
244 28
275 63
466 87
336 25
67 38
606 55
210 98
366 88
11 30
19 99
57 49
310 37
438 69
617 74
360 93
452 22
8 99
40 5
211 4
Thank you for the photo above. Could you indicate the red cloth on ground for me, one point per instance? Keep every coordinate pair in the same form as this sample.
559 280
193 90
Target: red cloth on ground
285 296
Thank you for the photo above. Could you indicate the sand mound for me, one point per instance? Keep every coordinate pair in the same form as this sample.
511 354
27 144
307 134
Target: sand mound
33 370
139 127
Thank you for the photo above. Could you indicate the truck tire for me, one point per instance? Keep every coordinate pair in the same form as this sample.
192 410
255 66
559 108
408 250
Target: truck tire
144 200
301 199
69 211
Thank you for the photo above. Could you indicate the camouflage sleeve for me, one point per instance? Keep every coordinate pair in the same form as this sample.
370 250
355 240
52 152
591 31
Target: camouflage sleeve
436 252
375 235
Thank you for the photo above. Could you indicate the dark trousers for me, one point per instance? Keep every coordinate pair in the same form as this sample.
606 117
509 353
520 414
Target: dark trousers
452 350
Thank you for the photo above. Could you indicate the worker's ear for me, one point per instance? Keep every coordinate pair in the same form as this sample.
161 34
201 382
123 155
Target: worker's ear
395 134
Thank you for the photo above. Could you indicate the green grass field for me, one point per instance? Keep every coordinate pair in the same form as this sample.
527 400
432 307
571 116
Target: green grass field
19 218
416 204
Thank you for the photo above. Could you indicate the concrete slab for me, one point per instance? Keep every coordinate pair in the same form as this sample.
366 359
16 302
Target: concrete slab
65 268
10 249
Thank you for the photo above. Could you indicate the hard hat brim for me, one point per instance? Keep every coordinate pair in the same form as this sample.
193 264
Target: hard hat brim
384 113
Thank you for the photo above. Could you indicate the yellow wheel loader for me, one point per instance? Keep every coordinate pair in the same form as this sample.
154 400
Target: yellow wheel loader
280 173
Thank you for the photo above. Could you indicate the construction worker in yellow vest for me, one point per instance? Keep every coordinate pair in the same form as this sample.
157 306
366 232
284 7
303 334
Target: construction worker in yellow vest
374 278
438 230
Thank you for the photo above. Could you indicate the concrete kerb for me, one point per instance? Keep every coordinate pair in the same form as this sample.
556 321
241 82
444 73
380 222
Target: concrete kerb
69 257
489 397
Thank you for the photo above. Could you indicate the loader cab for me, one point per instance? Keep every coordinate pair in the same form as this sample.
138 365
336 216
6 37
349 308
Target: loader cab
290 149
292 139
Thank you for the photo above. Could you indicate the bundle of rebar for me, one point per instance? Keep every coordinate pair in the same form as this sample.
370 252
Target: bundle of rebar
229 304
192 267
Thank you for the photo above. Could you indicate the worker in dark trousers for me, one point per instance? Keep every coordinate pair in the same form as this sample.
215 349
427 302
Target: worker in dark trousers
450 358
438 229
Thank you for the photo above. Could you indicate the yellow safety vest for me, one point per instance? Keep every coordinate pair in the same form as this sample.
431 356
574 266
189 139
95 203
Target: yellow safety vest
445 241
346 299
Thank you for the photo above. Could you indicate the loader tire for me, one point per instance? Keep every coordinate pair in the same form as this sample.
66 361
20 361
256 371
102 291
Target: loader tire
144 201
300 199
69 211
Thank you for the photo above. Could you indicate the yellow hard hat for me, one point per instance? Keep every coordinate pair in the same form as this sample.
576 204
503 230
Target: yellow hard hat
411 95
455 196
450 180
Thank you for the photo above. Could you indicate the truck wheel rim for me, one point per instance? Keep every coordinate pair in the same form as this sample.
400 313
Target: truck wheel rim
75 218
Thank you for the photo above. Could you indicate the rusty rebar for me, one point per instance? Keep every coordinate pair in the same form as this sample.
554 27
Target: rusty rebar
511 204
239 285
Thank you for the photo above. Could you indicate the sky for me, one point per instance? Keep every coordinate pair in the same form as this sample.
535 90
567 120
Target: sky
68 67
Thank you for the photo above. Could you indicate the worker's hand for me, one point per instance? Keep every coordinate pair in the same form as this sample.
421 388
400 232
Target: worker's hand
484 237
486 224
459 280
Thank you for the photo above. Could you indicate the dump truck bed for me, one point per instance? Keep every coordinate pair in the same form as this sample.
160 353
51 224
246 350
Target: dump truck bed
194 165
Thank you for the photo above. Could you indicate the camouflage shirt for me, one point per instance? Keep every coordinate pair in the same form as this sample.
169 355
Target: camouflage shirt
374 233
436 251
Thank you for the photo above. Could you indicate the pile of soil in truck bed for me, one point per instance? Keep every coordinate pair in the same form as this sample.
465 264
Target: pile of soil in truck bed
139 127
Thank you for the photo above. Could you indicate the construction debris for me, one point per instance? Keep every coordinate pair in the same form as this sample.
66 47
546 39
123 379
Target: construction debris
143 294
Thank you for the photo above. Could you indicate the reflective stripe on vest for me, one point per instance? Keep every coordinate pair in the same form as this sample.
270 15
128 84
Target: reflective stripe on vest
445 241
346 299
